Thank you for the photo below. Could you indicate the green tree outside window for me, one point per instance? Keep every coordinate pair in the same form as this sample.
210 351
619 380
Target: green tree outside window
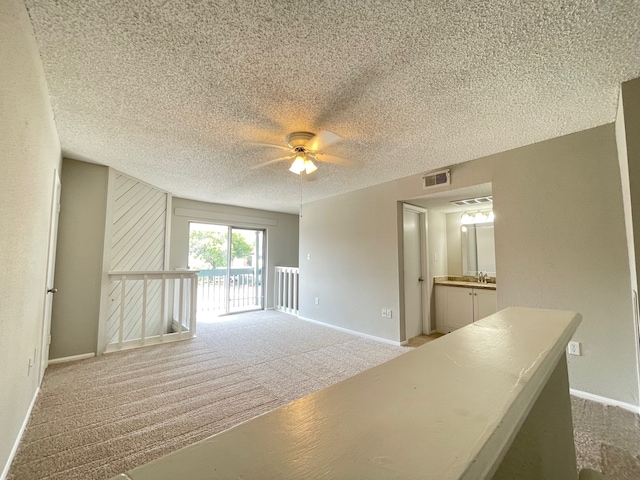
210 247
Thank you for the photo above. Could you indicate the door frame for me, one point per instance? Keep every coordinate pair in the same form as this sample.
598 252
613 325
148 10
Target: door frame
424 267
49 279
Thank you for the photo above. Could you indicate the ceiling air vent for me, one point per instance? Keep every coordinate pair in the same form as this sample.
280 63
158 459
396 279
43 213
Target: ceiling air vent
473 202
435 179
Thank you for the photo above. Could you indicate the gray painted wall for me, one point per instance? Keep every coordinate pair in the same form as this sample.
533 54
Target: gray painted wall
353 270
29 154
437 243
76 310
437 246
454 244
282 238
560 243
629 145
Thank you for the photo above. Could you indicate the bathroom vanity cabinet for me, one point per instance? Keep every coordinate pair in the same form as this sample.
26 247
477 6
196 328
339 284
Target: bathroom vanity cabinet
457 306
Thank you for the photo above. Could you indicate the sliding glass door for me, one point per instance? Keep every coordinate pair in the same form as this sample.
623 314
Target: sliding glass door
231 264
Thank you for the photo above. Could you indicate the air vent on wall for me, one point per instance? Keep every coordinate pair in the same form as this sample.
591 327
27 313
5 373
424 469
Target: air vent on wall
473 202
436 179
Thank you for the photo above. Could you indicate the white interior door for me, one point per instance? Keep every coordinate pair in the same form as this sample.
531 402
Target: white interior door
51 263
413 273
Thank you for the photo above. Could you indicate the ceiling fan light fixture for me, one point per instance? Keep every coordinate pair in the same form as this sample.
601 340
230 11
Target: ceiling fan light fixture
298 165
309 166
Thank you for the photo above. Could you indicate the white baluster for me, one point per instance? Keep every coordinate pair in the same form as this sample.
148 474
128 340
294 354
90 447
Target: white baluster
123 292
143 327
163 302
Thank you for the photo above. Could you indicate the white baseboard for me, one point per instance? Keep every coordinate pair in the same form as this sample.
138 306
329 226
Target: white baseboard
604 400
352 332
12 454
72 358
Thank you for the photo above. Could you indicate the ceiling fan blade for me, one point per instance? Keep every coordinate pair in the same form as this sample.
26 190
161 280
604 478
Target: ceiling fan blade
323 157
281 147
269 162
322 140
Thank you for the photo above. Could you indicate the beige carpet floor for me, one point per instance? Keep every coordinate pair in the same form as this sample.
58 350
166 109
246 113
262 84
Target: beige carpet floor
99 417
607 439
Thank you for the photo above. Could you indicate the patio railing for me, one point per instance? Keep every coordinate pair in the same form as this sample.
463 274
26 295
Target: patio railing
245 289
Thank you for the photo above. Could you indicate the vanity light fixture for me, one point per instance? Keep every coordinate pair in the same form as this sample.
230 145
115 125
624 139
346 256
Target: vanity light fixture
466 219
480 217
477 217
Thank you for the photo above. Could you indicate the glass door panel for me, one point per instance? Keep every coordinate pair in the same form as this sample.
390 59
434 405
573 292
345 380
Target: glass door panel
245 291
208 252
231 274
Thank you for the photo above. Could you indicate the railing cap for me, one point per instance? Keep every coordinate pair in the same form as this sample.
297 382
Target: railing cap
157 274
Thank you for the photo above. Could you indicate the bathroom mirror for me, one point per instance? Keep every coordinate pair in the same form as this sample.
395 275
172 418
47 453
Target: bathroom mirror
478 249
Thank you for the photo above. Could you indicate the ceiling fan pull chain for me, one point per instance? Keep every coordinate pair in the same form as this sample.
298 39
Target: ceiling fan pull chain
300 196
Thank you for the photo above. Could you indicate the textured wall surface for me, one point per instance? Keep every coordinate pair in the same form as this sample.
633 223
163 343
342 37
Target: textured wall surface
454 244
560 243
437 245
630 128
352 240
29 154
74 324
151 86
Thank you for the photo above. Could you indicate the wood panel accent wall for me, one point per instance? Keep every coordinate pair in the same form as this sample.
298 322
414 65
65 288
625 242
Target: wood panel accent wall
138 243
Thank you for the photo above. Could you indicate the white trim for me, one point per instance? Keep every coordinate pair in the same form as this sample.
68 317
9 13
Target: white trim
413 208
167 231
106 264
352 332
149 341
12 454
425 290
224 218
604 400
72 358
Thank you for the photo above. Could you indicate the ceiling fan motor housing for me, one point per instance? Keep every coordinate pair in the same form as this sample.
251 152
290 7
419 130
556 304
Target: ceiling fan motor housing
299 139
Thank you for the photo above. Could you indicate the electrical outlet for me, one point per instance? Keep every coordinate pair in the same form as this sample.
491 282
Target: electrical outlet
30 367
317 301
574 348
384 313
308 256
389 314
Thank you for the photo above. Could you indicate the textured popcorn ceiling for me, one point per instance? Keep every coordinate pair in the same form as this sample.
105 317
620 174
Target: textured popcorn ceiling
172 92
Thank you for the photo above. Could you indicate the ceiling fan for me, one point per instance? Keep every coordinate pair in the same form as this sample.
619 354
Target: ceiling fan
304 148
